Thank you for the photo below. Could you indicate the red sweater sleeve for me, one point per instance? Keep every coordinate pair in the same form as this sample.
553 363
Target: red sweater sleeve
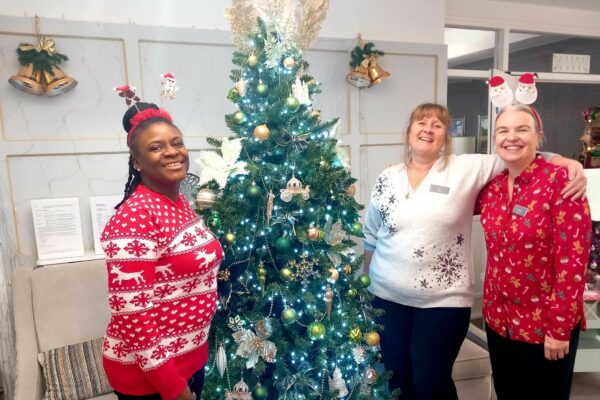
132 247
572 240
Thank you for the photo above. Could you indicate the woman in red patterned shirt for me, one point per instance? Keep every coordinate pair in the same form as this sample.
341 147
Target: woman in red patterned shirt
538 245
162 263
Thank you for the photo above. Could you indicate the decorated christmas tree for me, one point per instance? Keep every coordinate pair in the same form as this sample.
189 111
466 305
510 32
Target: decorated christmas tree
294 320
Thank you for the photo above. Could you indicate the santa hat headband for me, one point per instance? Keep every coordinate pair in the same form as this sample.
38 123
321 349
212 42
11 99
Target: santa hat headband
131 99
501 95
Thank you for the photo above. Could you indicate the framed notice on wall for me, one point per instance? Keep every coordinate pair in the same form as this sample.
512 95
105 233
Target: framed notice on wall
57 226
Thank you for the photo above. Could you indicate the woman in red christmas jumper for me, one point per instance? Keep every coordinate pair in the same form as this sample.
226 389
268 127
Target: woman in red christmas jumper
162 265
538 245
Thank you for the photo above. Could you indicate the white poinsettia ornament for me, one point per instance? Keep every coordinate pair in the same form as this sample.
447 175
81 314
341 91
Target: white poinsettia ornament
219 168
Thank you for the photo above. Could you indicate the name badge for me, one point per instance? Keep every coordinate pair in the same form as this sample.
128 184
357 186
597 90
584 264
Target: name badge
519 210
439 189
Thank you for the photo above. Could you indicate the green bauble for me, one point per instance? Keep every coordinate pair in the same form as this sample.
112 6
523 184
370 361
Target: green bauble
315 331
351 293
260 393
239 117
262 89
355 334
283 244
289 316
253 191
364 280
233 94
214 221
292 104
286 274
357 228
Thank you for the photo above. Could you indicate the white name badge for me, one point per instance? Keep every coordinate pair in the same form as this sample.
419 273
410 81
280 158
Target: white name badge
439 189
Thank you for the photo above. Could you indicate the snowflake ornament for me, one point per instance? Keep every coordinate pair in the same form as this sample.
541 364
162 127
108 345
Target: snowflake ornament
219 168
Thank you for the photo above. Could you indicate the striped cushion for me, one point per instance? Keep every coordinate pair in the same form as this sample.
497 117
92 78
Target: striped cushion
74 372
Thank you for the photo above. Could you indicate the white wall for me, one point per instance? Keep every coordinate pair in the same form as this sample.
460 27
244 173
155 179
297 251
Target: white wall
526 17
420 21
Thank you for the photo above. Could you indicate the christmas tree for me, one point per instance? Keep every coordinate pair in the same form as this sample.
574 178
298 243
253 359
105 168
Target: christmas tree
293 320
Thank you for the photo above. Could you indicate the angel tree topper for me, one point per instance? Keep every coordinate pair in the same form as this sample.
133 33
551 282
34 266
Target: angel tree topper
219 168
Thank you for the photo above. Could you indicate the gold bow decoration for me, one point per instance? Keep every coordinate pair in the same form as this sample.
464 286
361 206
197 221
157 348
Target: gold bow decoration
254 345
44 44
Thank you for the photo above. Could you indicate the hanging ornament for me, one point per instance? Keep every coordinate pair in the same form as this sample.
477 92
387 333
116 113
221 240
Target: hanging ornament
262 89
230 238
233 95
239 117
370 375
255 345
372 338
219 168
283 244
333 275
221 360
168 85
260 392
347 269
252 59
314 233
269 209
351 293
359 354
336 382
294 186
286 274
304 270
355 334
289 62
315 113
292 104
262 276
235 323
240 392
214 221
301 92
328 301
364 281
261 132
289 316
316 331
253 191
241 86
223 274
357 228
205 198
351 191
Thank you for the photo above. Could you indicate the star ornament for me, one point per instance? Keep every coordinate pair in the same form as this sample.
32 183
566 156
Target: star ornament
219 168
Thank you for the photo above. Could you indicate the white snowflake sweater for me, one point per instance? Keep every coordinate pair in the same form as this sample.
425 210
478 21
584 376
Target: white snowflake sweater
422 243
162 263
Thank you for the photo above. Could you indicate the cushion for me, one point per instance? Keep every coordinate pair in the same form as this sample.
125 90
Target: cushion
472 362
74 372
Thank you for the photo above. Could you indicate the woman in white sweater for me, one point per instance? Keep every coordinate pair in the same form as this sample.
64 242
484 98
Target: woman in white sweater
418 252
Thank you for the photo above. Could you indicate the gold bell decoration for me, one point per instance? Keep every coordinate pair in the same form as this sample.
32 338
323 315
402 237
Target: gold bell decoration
366 72
40 73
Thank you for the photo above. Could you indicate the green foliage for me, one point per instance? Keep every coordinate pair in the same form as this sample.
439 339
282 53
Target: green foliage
41 60
358 54
299 145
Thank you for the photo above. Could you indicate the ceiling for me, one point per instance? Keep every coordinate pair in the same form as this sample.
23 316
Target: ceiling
590 5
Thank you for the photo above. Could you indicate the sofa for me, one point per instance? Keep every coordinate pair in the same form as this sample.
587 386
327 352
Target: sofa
66 304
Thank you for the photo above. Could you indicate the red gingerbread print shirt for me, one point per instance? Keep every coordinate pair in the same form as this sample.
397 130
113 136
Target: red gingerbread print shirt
538 246
162 290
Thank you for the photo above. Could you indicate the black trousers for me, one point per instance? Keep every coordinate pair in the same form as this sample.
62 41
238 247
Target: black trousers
420 345
195 383
521 371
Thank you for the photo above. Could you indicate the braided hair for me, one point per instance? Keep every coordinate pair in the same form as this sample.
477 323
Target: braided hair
134 178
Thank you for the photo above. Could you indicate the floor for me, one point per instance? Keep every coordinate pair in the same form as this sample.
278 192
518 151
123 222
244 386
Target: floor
586 385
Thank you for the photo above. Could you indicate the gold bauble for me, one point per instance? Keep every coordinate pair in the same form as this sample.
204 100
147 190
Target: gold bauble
347 269
315 233
286 274
333 275
289 62
261 132
372 338
351 191
355 334
230 238
205 198
252 60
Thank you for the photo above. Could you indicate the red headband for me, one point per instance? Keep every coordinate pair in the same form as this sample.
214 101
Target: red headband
536 115
144 115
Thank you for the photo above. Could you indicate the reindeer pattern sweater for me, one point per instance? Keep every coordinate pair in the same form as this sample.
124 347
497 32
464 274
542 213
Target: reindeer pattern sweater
162 263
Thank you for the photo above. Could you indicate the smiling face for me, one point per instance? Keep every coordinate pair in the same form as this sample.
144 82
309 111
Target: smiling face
427 135
161 157
517 138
